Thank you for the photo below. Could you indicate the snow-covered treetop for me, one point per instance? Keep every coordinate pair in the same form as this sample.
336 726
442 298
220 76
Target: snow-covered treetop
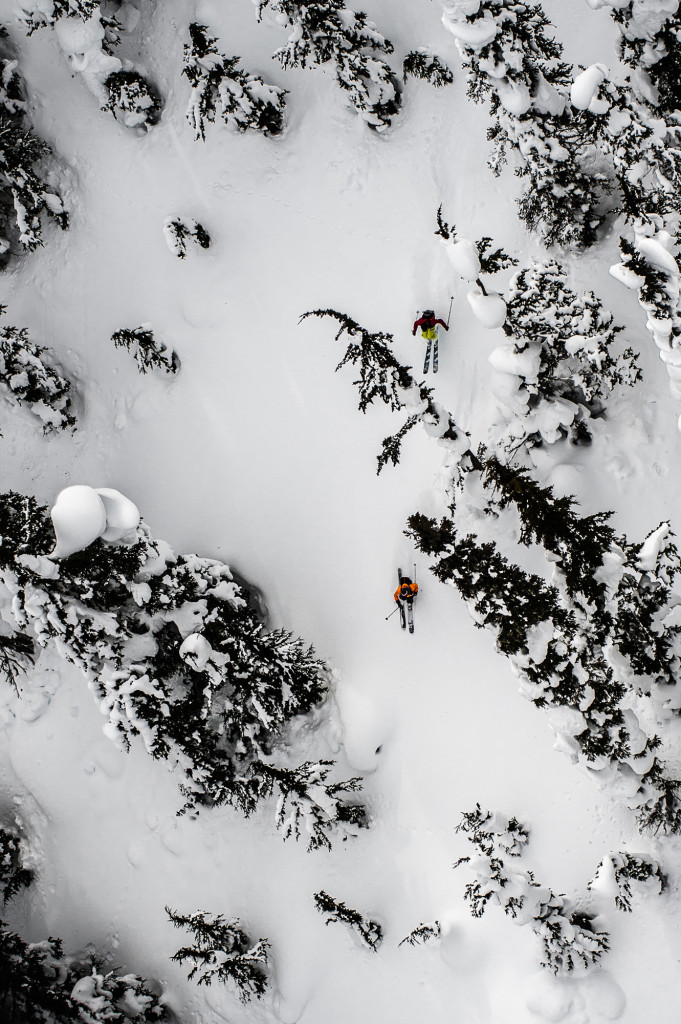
509 54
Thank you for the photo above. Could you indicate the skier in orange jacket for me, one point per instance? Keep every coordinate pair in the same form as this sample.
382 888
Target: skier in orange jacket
406 591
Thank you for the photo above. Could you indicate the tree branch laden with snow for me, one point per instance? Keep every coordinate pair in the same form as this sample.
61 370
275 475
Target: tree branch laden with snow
326 31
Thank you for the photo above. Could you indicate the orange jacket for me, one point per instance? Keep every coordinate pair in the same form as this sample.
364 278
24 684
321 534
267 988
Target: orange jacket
413 589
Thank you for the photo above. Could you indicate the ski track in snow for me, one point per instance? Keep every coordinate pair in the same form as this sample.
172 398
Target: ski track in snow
256 455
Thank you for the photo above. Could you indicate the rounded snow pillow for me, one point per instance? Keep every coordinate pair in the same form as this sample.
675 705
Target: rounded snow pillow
78 517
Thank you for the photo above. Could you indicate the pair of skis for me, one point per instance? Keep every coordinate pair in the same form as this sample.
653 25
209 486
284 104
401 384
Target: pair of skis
432 344
406 616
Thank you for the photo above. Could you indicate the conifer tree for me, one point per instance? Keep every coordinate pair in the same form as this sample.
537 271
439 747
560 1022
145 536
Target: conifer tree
223 951
580 619
131 99
220 87
424 64
516 65
370 932
561 346
326 31
214 699
149 353
27 379
629 869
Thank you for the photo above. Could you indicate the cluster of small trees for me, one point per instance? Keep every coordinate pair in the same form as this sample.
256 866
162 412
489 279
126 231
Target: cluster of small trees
221 88
38 982
568 929
88 32
559 366
327 32
214 691
591 147
514 64
568 934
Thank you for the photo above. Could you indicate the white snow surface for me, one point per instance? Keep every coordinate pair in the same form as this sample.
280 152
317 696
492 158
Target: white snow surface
256 454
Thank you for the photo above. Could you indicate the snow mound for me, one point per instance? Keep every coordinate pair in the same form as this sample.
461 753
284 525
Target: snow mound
463 256
82 514
79 518
584 90
122 515
490 309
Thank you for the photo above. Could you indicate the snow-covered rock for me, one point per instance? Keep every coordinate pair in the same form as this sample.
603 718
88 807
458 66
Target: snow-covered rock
490 308
78 517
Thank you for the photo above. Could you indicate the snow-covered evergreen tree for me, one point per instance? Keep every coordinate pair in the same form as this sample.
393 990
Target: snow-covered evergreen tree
213 697
222 951
426 65
37 14
567 933
87 32
131 99
369 931
26 194
178 230
618 872
326 31
558 368
27 379
513 63
639 133
221 88
149 353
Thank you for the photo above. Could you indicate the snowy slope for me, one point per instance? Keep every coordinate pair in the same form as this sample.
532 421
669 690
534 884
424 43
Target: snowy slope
255 454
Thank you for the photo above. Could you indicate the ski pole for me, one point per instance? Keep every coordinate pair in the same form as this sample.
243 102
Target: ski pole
392 613
451 300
